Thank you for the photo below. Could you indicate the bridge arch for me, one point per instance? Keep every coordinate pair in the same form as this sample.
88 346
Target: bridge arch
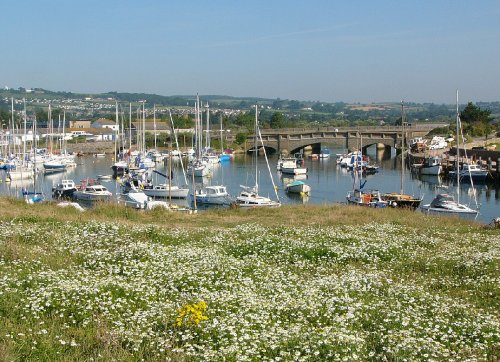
269 150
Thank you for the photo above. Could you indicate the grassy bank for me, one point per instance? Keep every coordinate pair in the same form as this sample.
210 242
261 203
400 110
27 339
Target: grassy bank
295 283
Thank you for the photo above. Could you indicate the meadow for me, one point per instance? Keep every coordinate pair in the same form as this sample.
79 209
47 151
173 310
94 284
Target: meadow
299 283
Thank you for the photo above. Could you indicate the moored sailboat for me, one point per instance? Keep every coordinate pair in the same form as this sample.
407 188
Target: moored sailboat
249 195
402 199
445 204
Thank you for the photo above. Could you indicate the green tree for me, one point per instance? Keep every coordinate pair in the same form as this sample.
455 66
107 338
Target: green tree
475 121
245 120
240 138
277 120
4 117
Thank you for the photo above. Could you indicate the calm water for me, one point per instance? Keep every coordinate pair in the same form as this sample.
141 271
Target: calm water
329 182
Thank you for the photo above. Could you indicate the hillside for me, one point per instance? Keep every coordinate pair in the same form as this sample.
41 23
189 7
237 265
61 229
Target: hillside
302 112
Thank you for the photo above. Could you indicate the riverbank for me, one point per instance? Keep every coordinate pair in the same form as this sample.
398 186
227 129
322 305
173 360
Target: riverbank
89 148
294 283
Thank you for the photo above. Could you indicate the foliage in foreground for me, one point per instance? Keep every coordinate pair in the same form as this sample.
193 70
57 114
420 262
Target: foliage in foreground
87 290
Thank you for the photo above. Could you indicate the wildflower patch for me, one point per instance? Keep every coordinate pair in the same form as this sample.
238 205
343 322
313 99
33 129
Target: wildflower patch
380 292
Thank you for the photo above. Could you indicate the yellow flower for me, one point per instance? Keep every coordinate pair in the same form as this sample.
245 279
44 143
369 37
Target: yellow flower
191 314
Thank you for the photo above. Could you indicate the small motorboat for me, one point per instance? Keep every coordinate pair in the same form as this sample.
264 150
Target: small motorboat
64 189
92 192
215 195
298 187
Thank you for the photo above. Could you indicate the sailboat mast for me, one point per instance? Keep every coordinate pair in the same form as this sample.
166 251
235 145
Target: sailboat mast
117 130
34 153
199 142
12 125
402 146
154 121
49 120
144 127
457 161
207 140
130 127
221 139
24 137
176 143
256 151
63 142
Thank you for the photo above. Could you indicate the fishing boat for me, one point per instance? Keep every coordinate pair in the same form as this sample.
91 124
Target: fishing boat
430 166
371 198
249 195
64 189
470 172
402 200
358 196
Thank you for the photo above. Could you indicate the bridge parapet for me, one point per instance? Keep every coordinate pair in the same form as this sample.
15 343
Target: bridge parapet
351 138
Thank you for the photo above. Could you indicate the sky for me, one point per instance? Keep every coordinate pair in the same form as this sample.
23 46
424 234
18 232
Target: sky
329 51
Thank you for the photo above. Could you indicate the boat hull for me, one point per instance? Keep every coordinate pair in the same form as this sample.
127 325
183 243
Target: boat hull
431 170
175 193
79 195
294 171
298 188
402 201
466 214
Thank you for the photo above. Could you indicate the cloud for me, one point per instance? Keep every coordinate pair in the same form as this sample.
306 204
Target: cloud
277 36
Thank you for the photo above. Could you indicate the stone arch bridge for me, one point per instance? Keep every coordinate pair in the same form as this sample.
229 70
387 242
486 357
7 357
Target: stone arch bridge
294 139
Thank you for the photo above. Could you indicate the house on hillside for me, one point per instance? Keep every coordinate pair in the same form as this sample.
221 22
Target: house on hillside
105 123
80 123
102 134
149 127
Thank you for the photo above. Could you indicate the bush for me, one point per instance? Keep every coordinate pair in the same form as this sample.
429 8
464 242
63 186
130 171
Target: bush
240 138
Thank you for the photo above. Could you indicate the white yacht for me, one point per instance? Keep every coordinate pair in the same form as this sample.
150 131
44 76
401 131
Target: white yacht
445 204
93 193
249 195
165 191
249 198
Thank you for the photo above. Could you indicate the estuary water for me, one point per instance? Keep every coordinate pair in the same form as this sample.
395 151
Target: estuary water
329 182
